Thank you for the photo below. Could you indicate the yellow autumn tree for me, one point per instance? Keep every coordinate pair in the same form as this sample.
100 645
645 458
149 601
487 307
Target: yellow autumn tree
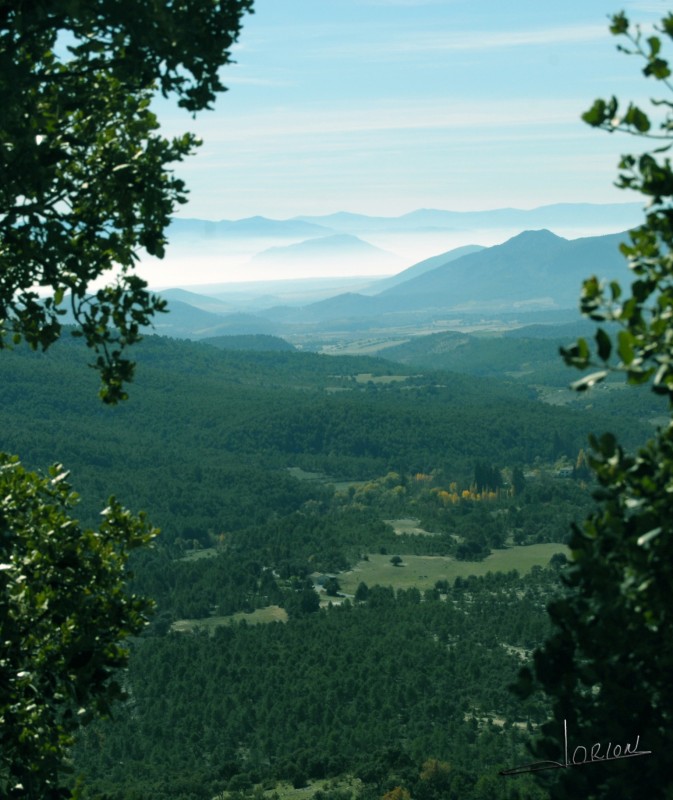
398 793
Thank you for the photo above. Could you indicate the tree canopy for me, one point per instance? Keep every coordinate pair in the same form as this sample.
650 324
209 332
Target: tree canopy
85 186
63 614
84 172
608 664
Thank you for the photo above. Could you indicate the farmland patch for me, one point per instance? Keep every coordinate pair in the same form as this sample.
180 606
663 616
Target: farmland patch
424 571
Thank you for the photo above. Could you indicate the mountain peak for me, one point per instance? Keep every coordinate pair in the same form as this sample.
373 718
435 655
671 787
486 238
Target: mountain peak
537 236
541 241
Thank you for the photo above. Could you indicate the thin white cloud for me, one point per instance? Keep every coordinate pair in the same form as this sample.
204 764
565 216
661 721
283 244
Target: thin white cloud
490 40
646 7
233 80
468 41
404 115
407 3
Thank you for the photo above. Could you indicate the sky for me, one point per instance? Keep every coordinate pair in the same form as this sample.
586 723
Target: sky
382 107
385 106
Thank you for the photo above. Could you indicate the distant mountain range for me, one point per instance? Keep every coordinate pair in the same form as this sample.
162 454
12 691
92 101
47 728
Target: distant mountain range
352 245
534 271
618 216
609 216
252 227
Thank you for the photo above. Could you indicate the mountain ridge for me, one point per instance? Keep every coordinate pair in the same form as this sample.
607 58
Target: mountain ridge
618 215
533 271
529 268
621 215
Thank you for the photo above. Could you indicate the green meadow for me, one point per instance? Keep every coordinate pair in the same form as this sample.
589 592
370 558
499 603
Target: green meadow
424 571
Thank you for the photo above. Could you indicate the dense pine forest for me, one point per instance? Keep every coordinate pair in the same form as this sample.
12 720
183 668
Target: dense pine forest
277 477
372 688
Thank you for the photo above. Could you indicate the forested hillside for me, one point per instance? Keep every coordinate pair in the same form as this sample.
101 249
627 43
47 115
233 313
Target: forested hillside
206 439
275 477
528 356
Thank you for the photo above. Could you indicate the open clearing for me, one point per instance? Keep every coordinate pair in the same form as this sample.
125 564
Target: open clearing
256 617
197 555
408 526
424 571
284 791
368 377
319 477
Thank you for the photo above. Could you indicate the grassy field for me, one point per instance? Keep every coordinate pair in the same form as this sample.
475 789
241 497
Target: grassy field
260 615
285 791
319 477
197 555
424 571
408 526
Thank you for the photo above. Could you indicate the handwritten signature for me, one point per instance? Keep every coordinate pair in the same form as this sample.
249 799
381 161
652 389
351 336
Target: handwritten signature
582 756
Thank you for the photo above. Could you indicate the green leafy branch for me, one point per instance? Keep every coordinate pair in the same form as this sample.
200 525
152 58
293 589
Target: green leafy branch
643 345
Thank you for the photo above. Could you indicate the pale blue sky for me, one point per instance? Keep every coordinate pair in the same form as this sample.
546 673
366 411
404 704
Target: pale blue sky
385 106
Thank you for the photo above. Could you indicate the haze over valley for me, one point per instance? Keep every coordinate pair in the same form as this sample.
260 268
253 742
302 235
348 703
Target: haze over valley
330 284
